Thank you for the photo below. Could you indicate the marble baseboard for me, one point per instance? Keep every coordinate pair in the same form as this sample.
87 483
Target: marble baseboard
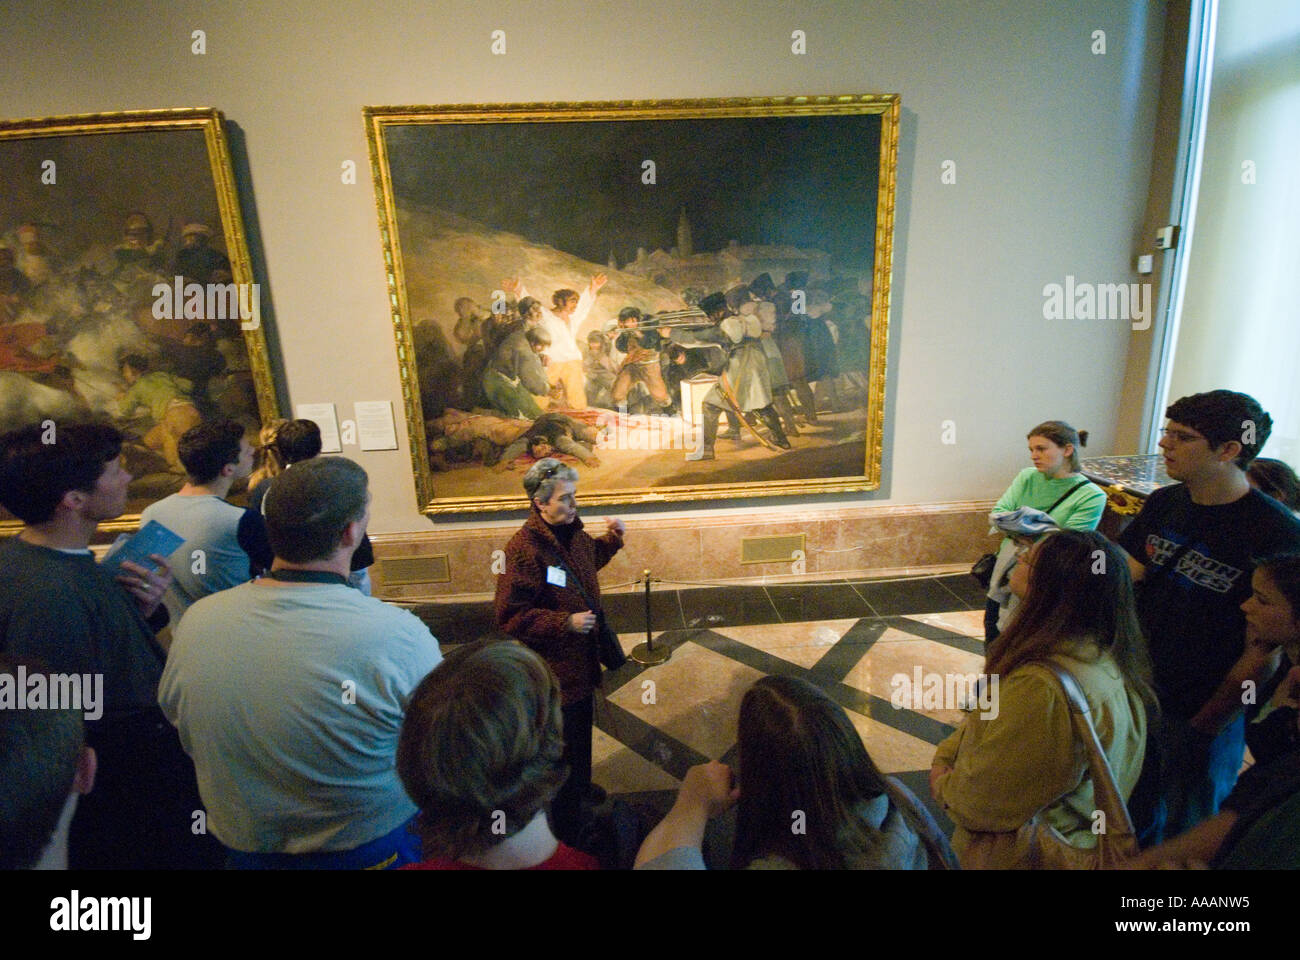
868 542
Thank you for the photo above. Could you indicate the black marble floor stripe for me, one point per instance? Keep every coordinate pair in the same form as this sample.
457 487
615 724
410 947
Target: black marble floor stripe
732 606
664 751
907 721
848 650
903 597
943 582
929 631
832 599
455 623
765 663
802 602
851 698
626 611
967 588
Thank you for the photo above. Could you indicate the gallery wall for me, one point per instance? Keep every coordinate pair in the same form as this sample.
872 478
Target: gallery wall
1047 124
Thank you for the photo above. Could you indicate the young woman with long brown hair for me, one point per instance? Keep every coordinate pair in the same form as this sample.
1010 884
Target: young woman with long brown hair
1003 766
808 796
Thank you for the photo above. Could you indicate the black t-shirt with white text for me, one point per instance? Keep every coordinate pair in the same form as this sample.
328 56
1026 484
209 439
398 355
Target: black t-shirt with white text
1192 615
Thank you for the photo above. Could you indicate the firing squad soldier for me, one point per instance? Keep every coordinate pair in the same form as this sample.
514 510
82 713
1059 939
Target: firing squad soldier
745 380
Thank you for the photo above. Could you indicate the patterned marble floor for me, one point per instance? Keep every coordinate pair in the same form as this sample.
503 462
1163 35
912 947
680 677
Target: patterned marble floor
850 639
847 637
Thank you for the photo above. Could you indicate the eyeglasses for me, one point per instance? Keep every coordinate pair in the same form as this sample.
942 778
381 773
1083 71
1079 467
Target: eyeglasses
1181 436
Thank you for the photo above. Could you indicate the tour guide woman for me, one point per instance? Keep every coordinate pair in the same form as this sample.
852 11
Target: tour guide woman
539 603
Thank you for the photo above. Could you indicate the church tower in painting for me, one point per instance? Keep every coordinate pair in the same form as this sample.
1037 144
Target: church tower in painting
684 248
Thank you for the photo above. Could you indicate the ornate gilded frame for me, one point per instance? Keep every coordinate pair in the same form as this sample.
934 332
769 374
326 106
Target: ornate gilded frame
210 123
380 120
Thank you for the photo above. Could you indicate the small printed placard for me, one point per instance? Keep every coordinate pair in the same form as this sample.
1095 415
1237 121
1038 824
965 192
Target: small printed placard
375 427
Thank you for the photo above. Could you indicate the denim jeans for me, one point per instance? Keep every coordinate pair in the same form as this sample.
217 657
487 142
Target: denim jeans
395 849
1186 777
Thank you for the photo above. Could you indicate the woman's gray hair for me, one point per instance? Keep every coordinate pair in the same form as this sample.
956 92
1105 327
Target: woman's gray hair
543 476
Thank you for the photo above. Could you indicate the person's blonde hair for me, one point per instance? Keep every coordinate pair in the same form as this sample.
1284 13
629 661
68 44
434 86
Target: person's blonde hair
269 462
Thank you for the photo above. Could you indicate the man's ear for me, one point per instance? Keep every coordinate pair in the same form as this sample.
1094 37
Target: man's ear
353 533
1228 450
74 500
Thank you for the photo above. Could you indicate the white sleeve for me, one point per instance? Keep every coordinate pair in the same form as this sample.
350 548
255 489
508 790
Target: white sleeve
586 301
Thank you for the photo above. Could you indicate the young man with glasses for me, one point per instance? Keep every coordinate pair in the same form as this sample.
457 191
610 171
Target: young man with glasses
1192 549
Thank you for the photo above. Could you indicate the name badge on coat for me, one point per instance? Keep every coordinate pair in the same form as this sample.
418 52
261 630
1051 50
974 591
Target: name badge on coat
555 576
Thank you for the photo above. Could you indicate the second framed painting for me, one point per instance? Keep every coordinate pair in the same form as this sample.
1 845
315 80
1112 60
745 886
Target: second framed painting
126 290
687 299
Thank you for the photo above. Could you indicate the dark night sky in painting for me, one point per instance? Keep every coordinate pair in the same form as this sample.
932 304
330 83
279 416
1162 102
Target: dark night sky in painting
100 178
576 186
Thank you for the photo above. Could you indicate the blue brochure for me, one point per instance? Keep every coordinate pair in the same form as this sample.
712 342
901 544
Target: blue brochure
153 537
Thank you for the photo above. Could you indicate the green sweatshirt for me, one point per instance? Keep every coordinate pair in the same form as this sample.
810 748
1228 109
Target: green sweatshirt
1081 510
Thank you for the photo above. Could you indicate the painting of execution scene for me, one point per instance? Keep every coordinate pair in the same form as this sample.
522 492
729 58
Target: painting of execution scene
686 299
125 293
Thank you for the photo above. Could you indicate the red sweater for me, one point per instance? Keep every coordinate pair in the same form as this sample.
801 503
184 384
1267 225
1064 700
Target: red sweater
564 858
536 612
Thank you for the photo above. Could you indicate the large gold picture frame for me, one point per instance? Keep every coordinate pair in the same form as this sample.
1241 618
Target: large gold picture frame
98 214
652 206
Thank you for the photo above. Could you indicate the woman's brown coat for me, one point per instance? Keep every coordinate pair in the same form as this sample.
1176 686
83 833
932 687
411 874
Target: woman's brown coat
536 612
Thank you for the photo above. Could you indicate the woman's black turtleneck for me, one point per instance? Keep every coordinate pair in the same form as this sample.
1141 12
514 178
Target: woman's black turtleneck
563 532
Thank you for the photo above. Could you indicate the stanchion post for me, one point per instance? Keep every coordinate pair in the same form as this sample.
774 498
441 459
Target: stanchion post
646 653
649 639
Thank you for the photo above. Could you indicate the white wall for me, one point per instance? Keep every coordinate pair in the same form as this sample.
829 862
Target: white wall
1051 143
1240 323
